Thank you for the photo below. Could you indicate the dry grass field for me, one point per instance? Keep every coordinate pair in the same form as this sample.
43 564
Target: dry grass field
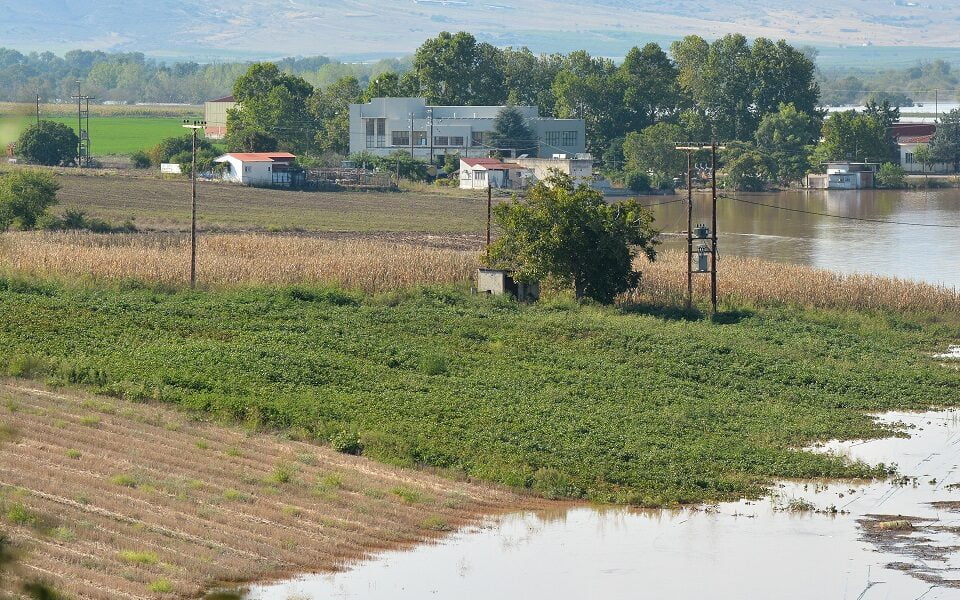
164 205
109 499
389 262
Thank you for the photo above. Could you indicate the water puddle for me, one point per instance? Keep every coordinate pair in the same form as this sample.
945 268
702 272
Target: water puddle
814 539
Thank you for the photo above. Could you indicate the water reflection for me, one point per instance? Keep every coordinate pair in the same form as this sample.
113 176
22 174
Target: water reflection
921 253
748 549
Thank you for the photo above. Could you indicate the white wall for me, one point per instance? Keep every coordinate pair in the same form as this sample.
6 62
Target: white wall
248 173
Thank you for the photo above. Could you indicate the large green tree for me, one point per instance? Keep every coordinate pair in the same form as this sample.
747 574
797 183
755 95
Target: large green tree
25 196
945 145
654 150
586 87
851 136
274 104
455 69
650 89
571 236
510 132
746 168
787 137
48 143
331 108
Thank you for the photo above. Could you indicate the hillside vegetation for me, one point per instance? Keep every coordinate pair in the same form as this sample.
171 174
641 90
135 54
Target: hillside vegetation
611 404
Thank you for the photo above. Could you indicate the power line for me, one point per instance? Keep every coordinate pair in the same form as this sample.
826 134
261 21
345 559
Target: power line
810 212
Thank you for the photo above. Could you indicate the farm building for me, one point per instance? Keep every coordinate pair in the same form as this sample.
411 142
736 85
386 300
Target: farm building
257 168
844 175
579 167
215 114
481 173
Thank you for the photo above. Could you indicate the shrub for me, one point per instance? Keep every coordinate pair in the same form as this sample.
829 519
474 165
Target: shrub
433 364
48 143
18 514
347 442
73 453
637 181
407 495
283 473
25 196
435 523
161 586
891 176
140 160
138 557
124 481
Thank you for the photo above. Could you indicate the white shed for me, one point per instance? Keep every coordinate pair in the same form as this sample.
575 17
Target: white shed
481 173
255 168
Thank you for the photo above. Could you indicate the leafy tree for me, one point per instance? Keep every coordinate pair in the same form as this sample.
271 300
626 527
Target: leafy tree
787 136
888 116
273 103
573 237
455 69
140 160
924 156
637 181
850 136
331 108
411 168
510 132
782 74
205 159
653 150
650 90
252 140
386 85
891 176
168 148
25 196
586 87
746 168
48 143
945 144
528 78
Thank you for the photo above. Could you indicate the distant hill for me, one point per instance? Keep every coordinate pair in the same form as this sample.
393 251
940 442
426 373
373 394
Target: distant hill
365 28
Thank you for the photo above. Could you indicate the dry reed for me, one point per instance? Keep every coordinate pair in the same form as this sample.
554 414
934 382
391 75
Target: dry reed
376 265
370 265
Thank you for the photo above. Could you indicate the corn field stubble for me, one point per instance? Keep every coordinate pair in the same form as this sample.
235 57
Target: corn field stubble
148 501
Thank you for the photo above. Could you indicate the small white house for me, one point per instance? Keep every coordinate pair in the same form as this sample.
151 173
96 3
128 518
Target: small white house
481 173
256 168
579 167
908 160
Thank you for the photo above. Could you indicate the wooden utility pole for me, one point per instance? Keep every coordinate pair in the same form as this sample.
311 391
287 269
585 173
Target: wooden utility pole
690 149
689 229
713 246
193 126
489 215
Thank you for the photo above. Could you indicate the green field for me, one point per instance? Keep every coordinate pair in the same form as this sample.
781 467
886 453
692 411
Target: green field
108 135
609 404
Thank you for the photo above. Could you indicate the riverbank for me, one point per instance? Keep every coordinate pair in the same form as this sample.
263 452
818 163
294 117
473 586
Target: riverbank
106 498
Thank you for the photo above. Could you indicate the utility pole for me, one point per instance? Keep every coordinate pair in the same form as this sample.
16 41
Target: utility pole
489 215
689 229
430 117
193 126
411 135
83 145
703 234
38 106
713 249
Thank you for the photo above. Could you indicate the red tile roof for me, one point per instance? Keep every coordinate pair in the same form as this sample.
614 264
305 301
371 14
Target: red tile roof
921 139
224 99
491 164
262 156
902 130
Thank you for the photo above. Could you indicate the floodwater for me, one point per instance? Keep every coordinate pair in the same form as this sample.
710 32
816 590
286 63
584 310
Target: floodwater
739 550
930 254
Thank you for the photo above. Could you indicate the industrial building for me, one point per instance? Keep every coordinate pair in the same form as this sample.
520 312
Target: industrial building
215 114
385 125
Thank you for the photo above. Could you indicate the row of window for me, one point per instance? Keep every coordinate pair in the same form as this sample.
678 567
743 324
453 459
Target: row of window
566 139
376 133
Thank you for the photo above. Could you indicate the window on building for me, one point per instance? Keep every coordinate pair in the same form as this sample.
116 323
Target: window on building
456 140
909 158
480 138
441 140
553 138
400 138
568 138
420 138
479 175
376 133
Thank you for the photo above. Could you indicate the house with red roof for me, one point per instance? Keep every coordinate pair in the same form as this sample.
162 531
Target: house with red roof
481 173
257 168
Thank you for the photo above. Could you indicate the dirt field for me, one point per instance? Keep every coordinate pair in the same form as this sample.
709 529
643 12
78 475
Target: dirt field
109 499
164 205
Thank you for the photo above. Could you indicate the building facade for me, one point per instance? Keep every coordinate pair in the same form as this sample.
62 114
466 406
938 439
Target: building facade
215 114
481 173
385 125
256 168
580 169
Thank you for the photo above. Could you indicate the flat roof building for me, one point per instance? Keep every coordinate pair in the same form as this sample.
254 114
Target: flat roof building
215 114
385 125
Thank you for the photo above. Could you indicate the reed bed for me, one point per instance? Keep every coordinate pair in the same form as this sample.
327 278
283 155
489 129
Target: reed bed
377 265
115 496
370 265
764 282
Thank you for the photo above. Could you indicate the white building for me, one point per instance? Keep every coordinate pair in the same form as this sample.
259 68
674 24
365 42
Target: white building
481 173
844 175
579 167
385 125
215 114
256 168
908 149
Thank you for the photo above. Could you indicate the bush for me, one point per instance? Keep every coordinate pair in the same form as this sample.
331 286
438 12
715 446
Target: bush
891 176
637 181
346 442
140 160
25 196
48 143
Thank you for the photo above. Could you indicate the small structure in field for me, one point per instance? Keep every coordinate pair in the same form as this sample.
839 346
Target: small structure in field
498 282
578 166
844 175
258 168
215 114
481 173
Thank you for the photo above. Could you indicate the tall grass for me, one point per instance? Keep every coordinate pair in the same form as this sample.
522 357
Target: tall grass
379 265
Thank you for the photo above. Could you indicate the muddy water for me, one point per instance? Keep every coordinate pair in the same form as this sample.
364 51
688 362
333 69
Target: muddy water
758 549
922 253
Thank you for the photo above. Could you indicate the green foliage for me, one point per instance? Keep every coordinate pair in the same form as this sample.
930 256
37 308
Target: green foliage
412 169
173 149
18 514
140 160
48 143
25 196
787 137
138 557
924 156
651 93
346 441
573 238
250 139
41 590
75 219
161 586
454 69
273 109
510 132
653 150
330 107
851 136
607 403
945 145
637 181
746 168
891 176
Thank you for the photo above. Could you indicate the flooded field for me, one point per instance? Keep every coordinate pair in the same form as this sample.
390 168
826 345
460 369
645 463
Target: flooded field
808 540
845 245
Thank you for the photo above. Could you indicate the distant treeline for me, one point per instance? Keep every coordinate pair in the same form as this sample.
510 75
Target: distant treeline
131 77
900 87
